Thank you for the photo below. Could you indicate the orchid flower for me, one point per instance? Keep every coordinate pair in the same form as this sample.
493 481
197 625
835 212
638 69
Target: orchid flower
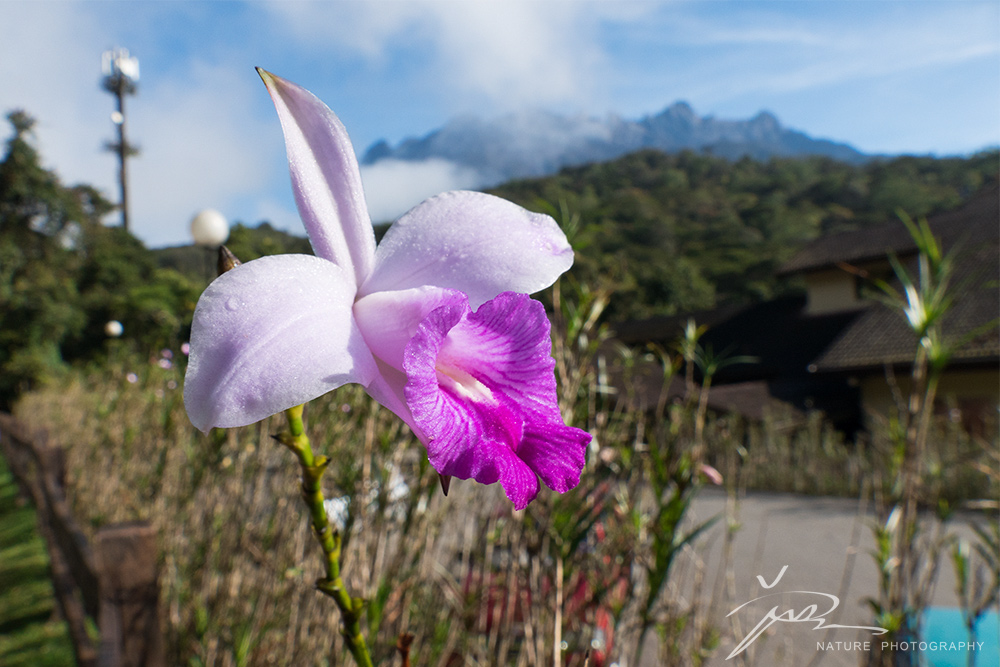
435 322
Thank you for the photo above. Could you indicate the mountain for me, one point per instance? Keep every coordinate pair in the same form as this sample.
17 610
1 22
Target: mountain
537 143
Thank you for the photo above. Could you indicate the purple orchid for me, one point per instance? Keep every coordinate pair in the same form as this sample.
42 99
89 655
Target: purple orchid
435 322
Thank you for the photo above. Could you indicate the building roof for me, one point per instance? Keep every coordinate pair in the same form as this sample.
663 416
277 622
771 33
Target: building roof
781 338
882 336
646 388
978 219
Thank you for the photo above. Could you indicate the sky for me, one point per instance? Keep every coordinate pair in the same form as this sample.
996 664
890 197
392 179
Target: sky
886 76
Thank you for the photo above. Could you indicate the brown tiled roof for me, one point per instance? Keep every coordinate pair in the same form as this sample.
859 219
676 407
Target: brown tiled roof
882 336
750 399
782 339
978 219
778 334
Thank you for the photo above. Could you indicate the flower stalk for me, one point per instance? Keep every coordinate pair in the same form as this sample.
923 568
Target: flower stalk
329 538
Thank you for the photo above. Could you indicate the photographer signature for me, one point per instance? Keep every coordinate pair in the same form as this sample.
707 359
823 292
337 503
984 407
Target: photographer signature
806 614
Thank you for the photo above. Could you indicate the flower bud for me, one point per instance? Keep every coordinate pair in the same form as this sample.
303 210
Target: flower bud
227 260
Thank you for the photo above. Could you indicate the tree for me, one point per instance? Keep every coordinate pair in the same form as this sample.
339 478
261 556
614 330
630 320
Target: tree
39 221
64 275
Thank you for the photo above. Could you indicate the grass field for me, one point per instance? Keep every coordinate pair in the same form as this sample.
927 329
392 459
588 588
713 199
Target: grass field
32 634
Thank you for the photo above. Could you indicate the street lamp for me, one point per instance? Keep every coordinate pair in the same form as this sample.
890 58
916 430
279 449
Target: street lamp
121 78
210 230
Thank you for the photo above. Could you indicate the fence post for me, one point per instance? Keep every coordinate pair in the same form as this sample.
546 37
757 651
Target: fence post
23 452
129 621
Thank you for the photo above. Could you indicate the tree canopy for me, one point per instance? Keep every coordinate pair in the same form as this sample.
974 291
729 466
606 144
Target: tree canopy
679 233
64 275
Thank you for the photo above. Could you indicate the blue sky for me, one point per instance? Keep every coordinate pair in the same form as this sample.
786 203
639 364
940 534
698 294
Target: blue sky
915 76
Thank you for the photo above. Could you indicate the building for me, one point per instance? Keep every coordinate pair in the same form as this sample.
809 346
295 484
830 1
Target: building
839 347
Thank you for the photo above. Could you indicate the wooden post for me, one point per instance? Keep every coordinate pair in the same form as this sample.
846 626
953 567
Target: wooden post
114 583
129 621
21 452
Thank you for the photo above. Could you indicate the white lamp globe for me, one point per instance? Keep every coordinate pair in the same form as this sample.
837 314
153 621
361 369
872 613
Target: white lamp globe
209 228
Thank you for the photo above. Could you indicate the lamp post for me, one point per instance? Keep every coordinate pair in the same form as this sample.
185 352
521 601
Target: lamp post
209 229
121 78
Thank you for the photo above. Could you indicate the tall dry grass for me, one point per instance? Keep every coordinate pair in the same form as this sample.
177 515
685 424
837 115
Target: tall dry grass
473 581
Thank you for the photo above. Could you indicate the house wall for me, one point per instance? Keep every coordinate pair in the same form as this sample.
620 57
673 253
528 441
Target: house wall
830 291
974 393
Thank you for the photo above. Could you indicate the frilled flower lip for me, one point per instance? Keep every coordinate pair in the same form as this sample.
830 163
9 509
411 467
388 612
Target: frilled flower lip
480 387
279 331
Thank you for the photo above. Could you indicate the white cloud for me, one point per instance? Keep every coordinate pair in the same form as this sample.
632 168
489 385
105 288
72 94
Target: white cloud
766 53
366 28
279 214
201 148
44 74
392 187
200 143
511 54
520 53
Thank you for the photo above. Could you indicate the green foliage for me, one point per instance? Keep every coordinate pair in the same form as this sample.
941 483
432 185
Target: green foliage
245 242
249 243
119 280
64 275
38 218
680 233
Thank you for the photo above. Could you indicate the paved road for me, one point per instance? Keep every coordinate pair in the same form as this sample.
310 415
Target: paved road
825 544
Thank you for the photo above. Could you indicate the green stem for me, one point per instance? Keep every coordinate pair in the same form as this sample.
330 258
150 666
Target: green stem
328 537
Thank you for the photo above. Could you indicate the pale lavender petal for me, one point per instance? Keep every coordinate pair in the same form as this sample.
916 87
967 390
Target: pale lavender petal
326 179
388 320
481 388
271 334
473 242
387 388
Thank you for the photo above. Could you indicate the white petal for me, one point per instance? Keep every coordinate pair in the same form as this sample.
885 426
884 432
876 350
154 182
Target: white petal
271 334
473 242
325 178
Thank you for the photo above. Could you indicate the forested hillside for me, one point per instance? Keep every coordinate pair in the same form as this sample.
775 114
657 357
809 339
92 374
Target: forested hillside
245 242
684 232
668 233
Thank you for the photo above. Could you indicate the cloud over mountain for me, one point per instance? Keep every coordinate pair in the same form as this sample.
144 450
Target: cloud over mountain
471 152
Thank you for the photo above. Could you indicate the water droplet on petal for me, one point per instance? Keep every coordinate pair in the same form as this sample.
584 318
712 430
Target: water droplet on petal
232 304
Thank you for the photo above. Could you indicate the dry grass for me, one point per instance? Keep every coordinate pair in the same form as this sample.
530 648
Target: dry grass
475 582
470 577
